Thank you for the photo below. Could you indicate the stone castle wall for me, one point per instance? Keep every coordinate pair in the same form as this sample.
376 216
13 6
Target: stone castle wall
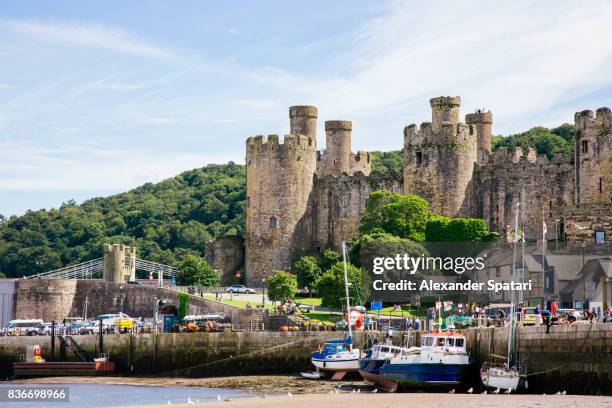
544 188
226 255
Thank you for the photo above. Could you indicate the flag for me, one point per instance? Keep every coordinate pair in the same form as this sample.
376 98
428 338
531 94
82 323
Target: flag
448 306
438 305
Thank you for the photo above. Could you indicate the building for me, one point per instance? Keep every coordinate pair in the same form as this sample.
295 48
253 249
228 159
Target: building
301 200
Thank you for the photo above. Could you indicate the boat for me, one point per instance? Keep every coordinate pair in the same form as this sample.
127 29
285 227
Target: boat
443 362
508 376
339 356
375 358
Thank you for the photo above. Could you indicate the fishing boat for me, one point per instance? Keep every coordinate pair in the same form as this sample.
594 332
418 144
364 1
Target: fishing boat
375 358
339 356
442 362
508 376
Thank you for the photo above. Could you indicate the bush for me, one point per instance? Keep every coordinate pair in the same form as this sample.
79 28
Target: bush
330 286
307 271
282 285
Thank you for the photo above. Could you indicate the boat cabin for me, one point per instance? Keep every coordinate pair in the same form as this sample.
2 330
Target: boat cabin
384 351
444 341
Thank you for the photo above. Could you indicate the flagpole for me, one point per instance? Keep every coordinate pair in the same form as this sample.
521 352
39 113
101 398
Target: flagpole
543 260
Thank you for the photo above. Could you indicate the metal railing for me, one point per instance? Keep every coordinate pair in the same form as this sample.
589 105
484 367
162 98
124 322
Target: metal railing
93 270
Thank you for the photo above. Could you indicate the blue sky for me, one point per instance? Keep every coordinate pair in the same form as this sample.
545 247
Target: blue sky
100 97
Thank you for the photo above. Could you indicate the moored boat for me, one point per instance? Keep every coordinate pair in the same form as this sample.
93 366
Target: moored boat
443 362
337 356
375 358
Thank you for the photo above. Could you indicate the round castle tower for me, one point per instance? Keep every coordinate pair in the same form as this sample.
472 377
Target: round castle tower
483 121
279 183
439 158
338 146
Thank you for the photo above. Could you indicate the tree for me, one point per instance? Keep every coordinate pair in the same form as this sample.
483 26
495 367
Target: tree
387 162
330 286
307 271
444 229
404 216
328 259
183 303
282 285
195 271
543 140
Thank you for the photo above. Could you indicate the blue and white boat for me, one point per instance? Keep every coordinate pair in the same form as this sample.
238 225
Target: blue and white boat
443 362
337 356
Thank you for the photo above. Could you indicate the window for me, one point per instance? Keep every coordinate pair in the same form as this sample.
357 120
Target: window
384 349
450 342
601 189
459 343
497 271
585 146
272 223
419 158
440 342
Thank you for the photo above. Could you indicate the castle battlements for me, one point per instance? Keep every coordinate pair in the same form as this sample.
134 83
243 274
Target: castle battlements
338 157
602 119
272 143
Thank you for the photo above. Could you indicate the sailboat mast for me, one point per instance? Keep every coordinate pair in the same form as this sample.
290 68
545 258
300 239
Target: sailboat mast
511 328
346 290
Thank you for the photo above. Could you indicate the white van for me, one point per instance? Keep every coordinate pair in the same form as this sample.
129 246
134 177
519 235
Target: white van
21 327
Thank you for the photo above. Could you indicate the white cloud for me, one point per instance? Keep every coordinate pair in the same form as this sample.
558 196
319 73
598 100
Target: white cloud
76 34
257 103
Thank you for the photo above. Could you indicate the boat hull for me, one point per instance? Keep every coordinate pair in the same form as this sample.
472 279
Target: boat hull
347 365
502 379
369 369
418 375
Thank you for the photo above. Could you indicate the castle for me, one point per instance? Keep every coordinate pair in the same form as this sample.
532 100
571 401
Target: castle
301 200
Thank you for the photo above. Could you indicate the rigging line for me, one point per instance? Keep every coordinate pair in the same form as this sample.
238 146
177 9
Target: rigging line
238 356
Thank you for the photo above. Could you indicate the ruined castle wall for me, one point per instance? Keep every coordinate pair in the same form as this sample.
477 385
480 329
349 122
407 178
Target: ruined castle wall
337 205
279 183
338 157
539 184
482 121
226 255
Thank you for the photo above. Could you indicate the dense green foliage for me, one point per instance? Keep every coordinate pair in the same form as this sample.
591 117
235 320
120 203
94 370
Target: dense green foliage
381 244
166 221
194 271
183 303
307 271
545 141
404 216
282 285
387 162
330 286
444 229
328 259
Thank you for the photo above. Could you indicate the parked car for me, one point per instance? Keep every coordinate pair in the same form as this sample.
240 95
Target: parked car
92 327
43 329
75 327
22 327
239 289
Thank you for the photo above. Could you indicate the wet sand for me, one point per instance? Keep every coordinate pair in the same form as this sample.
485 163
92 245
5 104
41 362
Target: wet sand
412 401
264 384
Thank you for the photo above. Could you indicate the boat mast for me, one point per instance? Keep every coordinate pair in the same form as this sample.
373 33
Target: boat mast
511 328
346 290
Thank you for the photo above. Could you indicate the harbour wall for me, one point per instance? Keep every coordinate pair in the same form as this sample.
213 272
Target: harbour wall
577 359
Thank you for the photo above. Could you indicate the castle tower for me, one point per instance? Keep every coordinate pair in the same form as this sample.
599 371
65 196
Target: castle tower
119 263
303 121
337 146
439 158
338 157
482 121
593 157
444 109
279 183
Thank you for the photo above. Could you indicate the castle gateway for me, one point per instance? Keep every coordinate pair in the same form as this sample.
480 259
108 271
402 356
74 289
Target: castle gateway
301 200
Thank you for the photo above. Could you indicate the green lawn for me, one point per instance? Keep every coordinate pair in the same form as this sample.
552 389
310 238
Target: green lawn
406 312
236 302
309 301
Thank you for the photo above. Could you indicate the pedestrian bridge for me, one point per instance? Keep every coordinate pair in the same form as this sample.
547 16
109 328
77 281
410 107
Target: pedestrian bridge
93 269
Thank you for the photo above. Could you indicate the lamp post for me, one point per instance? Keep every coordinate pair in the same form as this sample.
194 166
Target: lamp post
263 292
